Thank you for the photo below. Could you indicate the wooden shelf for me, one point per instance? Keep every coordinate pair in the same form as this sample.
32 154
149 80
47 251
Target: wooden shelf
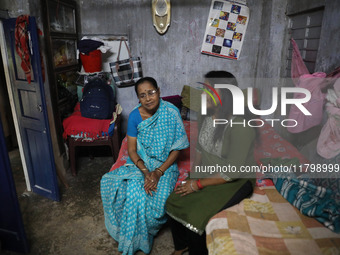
60 20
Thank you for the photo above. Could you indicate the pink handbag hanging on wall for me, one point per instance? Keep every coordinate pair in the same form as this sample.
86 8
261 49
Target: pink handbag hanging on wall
314 83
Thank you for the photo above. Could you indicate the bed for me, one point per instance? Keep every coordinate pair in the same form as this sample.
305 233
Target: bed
266 223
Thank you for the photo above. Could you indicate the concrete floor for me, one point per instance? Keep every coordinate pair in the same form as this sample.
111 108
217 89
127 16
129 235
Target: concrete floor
76 224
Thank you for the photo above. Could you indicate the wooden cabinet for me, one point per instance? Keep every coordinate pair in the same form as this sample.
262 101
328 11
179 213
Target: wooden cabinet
61 36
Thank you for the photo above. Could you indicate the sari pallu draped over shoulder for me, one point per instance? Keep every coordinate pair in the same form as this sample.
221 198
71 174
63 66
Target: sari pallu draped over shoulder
131 216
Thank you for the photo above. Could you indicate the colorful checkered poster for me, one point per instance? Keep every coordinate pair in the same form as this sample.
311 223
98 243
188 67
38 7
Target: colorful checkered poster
226 28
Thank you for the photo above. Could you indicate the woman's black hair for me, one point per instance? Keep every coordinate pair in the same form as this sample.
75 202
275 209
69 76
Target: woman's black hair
151 80
223 77
226 111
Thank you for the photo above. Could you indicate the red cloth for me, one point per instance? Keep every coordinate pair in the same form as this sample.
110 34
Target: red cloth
91 128
22 46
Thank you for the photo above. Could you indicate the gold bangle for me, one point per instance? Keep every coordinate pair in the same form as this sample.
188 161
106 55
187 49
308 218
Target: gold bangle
160 170
144 169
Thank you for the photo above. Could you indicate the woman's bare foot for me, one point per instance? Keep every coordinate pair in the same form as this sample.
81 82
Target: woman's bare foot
180 252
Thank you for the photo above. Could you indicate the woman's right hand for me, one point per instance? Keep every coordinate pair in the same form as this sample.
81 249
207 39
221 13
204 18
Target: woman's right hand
188 186
150 183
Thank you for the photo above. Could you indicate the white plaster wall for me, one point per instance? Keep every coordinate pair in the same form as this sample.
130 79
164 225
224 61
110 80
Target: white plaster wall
15 7
173 59
329 47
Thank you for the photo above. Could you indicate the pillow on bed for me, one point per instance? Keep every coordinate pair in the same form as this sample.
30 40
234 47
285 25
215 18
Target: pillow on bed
175 99
191 99
311 200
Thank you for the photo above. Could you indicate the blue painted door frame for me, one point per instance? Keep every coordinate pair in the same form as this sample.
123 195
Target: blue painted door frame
31 109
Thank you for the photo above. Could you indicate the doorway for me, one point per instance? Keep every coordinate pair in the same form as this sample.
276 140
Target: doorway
9 133
12 232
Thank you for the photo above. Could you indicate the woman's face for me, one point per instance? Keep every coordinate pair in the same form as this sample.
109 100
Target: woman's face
148 96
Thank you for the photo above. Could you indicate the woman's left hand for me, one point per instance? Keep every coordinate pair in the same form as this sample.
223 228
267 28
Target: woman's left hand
186 187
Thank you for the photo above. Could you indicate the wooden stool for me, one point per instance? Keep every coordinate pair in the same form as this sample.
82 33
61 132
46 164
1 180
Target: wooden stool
114 142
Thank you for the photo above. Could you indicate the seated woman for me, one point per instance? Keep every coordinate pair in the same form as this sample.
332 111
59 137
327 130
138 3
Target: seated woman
134 195
195 201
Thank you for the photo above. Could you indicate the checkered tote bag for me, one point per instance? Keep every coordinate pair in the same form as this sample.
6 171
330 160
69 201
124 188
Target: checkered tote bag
128 71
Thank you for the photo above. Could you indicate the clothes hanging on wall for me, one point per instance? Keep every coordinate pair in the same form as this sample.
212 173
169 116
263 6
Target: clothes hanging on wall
85 46
314 83
328 145
23 45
